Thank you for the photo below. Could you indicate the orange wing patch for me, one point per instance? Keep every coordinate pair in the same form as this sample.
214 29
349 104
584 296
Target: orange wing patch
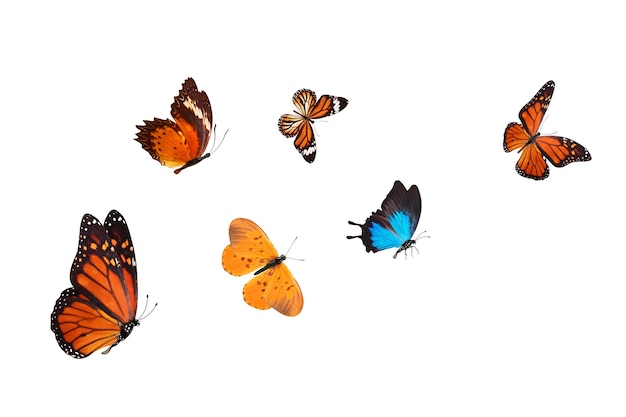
180 143
82 327
308 108
534 148
273 285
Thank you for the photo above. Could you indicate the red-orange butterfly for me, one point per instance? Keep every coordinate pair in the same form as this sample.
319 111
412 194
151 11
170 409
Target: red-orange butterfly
299 125
99 309
536 149
273 285
180 143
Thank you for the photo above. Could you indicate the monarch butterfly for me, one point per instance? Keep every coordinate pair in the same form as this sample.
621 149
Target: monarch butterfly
300 124
393 225
180 143
273 285
536 149
99 309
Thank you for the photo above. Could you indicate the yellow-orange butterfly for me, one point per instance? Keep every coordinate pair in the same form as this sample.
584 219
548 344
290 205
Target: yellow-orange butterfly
273 285
180 143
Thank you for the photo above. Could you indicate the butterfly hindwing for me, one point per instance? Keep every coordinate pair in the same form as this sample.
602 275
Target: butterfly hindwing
273 285
308 108
534 148
182 142
81 327
561 151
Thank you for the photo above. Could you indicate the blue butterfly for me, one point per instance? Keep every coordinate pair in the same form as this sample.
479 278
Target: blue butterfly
393 225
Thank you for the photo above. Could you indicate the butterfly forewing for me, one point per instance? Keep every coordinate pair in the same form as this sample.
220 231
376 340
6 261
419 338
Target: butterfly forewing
249 249
533 112
97 272
116 228
193 114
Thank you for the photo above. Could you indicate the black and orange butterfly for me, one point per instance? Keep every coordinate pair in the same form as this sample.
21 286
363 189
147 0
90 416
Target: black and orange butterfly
99 309
180 143
536 149
299 125
273 285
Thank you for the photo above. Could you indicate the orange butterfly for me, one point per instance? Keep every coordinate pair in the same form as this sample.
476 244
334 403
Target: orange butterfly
180 143
99 309
535 149
300 124
273 284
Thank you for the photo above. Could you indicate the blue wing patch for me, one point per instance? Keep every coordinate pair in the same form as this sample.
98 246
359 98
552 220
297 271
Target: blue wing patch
393 225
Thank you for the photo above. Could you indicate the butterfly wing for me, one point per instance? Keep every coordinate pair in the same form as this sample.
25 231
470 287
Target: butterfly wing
249 249
308 108
326 106
98 272
116 228
165 142
180 143
192 112
276 288
81 327
531 163
394 224
533 112
561 151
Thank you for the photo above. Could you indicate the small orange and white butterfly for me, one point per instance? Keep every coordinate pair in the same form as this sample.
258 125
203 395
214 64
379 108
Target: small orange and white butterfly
534 148
308 108
180 143
273 285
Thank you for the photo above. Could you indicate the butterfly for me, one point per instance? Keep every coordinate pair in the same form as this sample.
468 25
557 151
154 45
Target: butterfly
273 285
536 149
99 309
393 225
300 124
180 143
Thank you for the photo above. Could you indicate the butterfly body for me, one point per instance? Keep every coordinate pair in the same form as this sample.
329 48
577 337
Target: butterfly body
300 125
180 143
99 310
393 225
535 148
273 285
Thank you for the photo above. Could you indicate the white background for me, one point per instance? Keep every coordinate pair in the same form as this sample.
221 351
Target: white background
514 307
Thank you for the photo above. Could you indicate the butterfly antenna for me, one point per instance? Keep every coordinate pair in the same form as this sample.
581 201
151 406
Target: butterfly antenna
215 147
143 313
294 241
418 237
